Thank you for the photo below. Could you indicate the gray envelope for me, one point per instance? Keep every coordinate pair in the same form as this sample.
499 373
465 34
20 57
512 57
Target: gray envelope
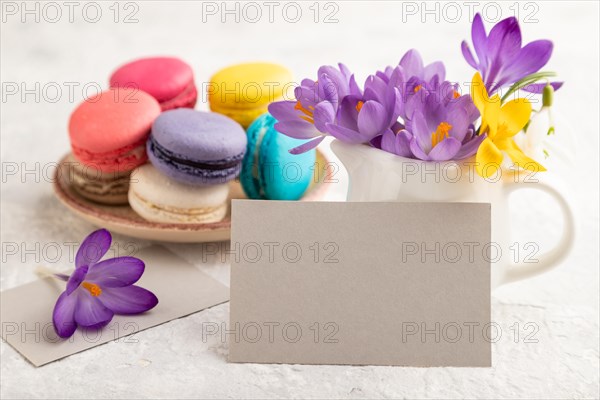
27 310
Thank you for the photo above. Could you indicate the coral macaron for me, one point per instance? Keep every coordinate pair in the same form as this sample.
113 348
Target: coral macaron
195 147
169 80
108 132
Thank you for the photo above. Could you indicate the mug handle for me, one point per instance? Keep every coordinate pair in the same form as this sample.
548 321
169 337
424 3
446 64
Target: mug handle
553 257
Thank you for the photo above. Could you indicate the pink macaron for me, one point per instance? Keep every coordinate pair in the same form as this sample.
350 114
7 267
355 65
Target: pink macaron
169 80
108 132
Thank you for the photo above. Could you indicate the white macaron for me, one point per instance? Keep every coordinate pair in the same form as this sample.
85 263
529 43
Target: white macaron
157 198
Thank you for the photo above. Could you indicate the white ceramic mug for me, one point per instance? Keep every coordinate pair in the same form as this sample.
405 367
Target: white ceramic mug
376 175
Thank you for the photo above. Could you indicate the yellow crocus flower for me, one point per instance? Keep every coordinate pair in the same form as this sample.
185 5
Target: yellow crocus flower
501 123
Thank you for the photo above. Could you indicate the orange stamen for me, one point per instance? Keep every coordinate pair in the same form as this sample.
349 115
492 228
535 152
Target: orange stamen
308 115
456 95
441 133
92 288
359 105
417 88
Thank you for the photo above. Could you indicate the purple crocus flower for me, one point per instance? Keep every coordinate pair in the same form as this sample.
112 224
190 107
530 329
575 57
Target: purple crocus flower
97 290
412 70
441 129
411 77
500 57
315 106
361 118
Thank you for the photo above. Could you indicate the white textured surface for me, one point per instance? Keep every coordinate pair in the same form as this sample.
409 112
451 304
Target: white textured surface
172 360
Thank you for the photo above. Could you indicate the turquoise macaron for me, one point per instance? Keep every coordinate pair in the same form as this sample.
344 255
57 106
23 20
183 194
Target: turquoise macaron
269 171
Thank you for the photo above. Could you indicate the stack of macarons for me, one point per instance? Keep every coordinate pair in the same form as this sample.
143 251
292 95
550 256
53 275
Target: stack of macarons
141 143
193 156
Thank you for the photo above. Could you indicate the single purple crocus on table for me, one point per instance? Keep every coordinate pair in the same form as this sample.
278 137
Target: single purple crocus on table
500 58
97 290
315 106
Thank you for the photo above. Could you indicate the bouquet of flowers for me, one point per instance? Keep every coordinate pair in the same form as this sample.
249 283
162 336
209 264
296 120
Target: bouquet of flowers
412 110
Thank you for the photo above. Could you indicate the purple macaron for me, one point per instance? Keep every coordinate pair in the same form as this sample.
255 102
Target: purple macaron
195 147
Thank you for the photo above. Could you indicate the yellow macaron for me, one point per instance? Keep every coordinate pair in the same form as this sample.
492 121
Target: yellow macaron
243 91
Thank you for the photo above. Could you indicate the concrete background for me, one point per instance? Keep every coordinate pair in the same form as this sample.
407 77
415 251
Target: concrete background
172 361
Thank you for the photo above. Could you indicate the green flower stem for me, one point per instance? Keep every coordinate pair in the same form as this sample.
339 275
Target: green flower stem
528 80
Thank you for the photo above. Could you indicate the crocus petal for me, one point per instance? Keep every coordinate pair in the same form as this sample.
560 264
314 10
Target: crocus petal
398 144
306 82
298 129
93 248
413 101
479 38
412 63
303 148
434 69
347 114
329 89
503 45
63 315
372 119
514 115
323 113
488 107
530 59
447 91
458 118
421 132
402 143
416 149
397 78
504 40
128 300
398 104
479 93
347 135
284 110
90 312
336 82
445 150
344 69
354 89
518 157
388 141
538 88
488 159
116 272
375 88
470 148
76 278
465 103
306 94
468 55
434 111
